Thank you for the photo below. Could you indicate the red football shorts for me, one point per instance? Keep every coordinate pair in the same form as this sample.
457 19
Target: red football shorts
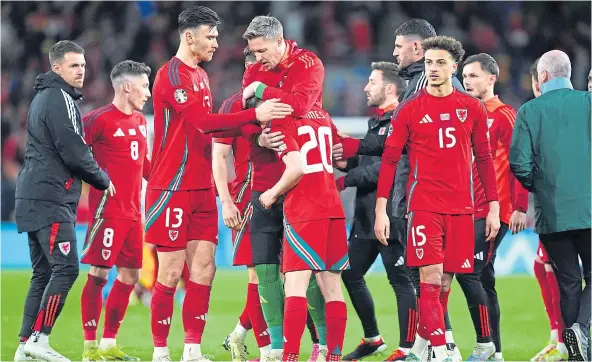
114 242
542 253
441 239
315 245
174 218
241 239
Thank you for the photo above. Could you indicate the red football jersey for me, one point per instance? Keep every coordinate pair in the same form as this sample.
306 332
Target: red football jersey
243 167
441 134
512 196
181 154
297 80
315 196
119 146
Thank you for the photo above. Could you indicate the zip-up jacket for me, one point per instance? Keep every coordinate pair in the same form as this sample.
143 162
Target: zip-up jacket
57 159
362 173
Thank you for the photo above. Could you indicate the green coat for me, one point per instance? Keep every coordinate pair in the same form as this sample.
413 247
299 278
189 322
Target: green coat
550 156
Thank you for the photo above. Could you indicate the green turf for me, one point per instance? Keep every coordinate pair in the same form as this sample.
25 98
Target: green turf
525 328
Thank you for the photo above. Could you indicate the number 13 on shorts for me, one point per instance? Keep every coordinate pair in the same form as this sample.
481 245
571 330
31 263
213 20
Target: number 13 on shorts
165 219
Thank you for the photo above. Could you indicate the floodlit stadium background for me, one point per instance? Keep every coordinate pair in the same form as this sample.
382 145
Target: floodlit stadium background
347 36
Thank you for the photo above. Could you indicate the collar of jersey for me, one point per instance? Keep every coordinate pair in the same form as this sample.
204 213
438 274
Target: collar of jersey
555 84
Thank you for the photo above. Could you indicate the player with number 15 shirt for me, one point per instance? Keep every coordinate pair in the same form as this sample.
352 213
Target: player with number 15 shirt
440 134
119 146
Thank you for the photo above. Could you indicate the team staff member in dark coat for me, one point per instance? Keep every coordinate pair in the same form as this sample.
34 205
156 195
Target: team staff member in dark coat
57 160
550 156
382 90
410 58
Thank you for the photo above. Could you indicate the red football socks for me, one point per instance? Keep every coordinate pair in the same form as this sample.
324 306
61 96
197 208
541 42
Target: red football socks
115 308
91 303
431 316
541 276
256 316
244 319
556 306
336 318
161 313
195 311
295 309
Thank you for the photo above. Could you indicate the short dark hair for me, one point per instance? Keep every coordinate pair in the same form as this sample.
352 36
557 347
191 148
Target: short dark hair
252 102
418 27
390 74
451 45
249 55
195 16
59 49
533 70
486 61
129 67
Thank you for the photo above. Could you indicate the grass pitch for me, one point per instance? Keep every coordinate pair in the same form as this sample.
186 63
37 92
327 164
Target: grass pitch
524 324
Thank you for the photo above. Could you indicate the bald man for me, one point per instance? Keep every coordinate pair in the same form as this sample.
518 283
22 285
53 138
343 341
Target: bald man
550 157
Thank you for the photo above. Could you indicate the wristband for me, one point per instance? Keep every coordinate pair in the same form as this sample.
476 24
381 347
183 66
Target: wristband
259 90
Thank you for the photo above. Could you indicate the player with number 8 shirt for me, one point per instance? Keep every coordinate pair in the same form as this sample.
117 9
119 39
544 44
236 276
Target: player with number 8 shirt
117 135
441 129
315 237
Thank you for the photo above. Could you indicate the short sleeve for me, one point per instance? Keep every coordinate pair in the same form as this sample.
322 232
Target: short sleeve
180 92
288 128
90 124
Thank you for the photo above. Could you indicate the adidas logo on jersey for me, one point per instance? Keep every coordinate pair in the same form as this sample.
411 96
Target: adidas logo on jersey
437 332
165 321
264 333
119 133
400 262
203 317
91 323
479 255
426 119
466 264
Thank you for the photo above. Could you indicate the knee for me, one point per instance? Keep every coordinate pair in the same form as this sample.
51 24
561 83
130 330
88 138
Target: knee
203 271
169 276
129 277
69 273
41 275
268 273
253 279
352 279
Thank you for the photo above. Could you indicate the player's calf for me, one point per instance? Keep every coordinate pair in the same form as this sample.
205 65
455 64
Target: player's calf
335 312
171 264
295 311
202 268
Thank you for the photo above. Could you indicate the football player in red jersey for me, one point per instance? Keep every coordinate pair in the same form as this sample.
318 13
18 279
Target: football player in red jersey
441 128
480 73
181 216
295 76
236 212
315 237
117 135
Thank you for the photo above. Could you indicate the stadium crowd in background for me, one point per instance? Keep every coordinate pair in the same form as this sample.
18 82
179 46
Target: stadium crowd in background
351 35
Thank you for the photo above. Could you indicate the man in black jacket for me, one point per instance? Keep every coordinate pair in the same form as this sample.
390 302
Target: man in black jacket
57 160
383 88
409 56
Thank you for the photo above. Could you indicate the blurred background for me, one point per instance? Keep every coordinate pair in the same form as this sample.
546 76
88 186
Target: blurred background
347 36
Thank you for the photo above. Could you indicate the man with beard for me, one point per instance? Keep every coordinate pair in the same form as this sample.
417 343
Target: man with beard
383 89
